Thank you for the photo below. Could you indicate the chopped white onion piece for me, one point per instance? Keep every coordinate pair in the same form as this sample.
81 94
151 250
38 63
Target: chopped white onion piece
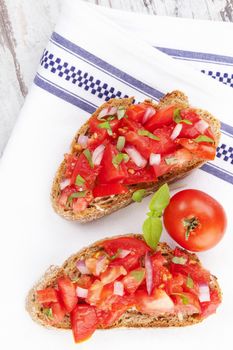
118 288
123 253
101 265
107 111
64 184
112 111
149 273
97 155
155 159
136 157
82 140
148 114
176 131
81 292
81 266
201 126
204 293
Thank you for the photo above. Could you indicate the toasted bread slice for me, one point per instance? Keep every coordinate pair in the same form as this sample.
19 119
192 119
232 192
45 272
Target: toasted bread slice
100 207
131 318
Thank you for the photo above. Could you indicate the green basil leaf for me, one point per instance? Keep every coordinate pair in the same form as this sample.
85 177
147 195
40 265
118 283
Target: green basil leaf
186 121
80 194
104 125
189 282
120 143
87 154
137 275
121 112
138 195
152 230
171 160
176 116
142 132
48 312
79 180
180 260
160 200
120 157
111 117
203 138
184 298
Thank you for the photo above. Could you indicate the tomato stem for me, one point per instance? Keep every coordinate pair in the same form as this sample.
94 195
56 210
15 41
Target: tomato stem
190 224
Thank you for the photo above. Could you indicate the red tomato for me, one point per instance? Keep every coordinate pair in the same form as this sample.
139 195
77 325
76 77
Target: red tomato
108 172
209 307
157 303
94 292
112 273
48 295
163 116
201 150
109 189
70 161
160 273
189 131
83 169
139 175
83 322
195 220
85 281
133 280
102 133
79 204
174 284
186 303
165 144
68 292
136 112
58 312
66 192
141 143
139 247
129 124
130 262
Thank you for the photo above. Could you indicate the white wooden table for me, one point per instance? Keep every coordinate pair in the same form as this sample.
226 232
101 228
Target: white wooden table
25 26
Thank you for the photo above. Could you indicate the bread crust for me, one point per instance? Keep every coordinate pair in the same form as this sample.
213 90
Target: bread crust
131 318
107 205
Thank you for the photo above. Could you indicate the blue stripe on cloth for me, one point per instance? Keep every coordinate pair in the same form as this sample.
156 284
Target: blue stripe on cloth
218 172
64 94
197 56
90 108
106 67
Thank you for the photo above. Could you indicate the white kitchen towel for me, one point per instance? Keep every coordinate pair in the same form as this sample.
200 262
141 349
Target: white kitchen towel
95 54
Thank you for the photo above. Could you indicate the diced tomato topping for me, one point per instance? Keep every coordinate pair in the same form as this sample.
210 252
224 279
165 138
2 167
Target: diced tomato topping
109 172
109 189
80 204
130 262
112 273
135 245
65 193
102 134
67 292
133 280
94 292
85 281
70 162
129 124
163 116
201 150
188 130
83 322
175 283
160 273
139 175
48 295
136 112
192 269
84 169
58 312
186 303
209 307
158 302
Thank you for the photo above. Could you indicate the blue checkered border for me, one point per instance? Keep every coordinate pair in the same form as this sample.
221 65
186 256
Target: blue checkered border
81 79
225 152
225 78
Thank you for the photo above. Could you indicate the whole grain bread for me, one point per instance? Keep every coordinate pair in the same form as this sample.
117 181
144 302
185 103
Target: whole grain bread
100 207
131 318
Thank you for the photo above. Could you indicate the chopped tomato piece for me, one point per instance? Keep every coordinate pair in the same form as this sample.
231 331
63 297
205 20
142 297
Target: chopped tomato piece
163 116
129 124
192 269
135 245
70 161
186 303
48 295
65 193
58 312
83 322
136 112
67 292
112 273
160 273
129 262
139 175
188 130
161 168
209 307
174 284
165 144
109 189
102 133
85 281
108 172
158 302
201 150
84 169
94 292
97 265
80 204
133 280
141 143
